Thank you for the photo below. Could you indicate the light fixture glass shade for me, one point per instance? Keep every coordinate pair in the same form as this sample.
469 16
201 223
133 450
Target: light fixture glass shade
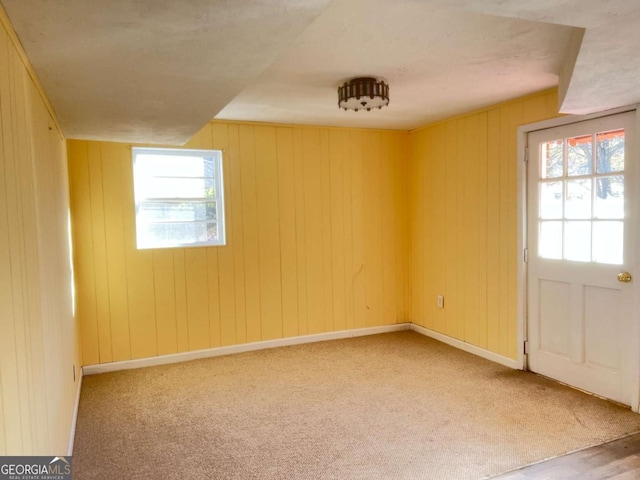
363 93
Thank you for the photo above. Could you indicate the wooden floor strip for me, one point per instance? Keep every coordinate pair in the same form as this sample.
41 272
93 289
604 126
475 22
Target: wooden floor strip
618 460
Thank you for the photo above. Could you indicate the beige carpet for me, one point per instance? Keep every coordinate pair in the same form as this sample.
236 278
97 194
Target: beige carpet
391 406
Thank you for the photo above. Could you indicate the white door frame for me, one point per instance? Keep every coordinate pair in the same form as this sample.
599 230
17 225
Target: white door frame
523 131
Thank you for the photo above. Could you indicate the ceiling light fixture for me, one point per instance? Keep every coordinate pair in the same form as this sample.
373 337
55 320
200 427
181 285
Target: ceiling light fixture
363 93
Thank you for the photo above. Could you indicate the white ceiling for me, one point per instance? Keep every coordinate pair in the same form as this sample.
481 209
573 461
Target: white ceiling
157 70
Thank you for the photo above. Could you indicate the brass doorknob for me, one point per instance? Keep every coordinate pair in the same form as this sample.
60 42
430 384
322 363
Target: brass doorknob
624 277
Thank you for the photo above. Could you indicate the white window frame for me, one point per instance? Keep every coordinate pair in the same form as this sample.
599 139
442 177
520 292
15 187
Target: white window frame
218 199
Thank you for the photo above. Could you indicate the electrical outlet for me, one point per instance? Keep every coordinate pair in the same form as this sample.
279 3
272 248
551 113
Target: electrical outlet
440 301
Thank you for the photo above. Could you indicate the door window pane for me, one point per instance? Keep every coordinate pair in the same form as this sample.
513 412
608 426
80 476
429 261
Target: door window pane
579 155
550 244
578 203
552 154
580 219
609 197
551 200
608 240
610 153
577 241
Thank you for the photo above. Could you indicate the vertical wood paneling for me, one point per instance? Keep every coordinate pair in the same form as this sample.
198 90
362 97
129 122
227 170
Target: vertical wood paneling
372 226
11 305
83 245
38 342
197 266
315 231
269 232
338 244
471 135
213 296
100 261
327 279
418 153
427 278
118 294
251 241
197 290
503 265
450 204
481 247
226 273
516 118
475 259
165 301
28 331
213 267
139 271
301 255
235 193
439 226
182 313
357 276
493 232
347 199
287 217
402 214
389 267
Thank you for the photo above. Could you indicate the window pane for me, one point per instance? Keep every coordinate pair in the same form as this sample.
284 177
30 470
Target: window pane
610 156
577 241
169 165
578 203
552 159
179 197
609 197
551 200
176 211
580 155
608 241
167 234
160 187
550 244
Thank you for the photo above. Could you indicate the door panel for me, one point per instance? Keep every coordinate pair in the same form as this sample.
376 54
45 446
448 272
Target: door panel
581 226
554 317
601 334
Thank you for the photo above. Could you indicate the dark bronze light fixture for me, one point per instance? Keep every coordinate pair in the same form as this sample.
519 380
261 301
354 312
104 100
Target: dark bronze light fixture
363 93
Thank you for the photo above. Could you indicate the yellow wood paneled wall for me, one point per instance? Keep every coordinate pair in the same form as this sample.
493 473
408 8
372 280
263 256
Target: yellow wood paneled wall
38 335
317 241
463 200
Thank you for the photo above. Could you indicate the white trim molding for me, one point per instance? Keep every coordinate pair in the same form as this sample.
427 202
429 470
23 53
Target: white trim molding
246 347
467 347
74 418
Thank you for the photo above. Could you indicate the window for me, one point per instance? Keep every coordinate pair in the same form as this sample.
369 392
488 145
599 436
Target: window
179 197
581 188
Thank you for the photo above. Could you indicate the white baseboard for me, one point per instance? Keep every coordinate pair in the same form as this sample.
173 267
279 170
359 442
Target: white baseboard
467 347
246 347
74 418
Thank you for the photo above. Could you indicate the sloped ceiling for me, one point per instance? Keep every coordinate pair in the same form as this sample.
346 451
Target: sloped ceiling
155 71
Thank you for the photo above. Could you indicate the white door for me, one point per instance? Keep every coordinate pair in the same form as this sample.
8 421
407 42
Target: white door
582 196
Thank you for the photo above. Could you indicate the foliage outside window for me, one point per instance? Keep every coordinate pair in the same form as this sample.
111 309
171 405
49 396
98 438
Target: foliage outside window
179 197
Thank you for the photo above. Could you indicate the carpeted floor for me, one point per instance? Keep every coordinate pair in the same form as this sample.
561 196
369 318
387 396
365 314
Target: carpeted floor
390 406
